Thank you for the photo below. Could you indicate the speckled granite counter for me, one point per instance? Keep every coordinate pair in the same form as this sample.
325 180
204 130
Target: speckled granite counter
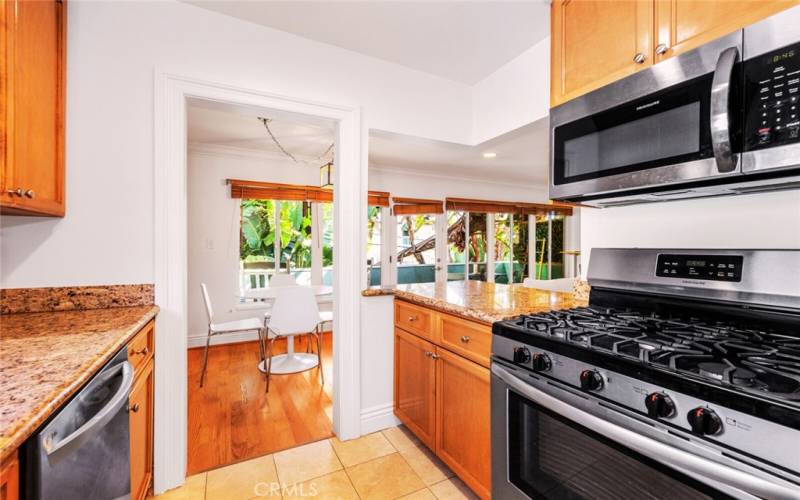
480 301
45 357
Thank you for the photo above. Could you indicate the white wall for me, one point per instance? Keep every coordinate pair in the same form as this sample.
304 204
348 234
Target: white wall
113 50
433 186
768 220
516 94
213 239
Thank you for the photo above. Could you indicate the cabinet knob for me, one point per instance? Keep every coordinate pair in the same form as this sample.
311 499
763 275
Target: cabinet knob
465 338
142 351
29 193
412 318
428 353
661 48
639 58
17 192
135 407
434 356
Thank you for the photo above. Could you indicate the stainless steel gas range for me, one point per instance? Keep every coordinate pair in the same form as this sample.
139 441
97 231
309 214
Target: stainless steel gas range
681 379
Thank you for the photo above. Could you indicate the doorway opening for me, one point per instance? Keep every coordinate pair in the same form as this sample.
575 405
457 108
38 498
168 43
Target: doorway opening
260 225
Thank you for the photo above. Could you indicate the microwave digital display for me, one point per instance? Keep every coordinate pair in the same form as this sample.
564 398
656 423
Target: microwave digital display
772 97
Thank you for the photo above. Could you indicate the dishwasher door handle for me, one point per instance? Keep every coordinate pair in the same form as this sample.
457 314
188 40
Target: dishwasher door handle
56 449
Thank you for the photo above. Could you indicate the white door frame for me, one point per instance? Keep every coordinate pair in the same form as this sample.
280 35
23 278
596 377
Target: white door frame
170 249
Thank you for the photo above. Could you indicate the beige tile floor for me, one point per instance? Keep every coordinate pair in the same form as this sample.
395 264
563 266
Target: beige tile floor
385 465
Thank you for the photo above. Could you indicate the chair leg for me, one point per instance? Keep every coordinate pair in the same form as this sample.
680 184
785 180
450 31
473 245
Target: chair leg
269 360
319 358
205 359
261 346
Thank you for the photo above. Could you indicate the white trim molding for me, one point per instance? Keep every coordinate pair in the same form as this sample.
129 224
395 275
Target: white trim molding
172 92
377 418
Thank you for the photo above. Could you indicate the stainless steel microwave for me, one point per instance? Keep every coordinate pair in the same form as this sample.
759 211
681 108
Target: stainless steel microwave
721 119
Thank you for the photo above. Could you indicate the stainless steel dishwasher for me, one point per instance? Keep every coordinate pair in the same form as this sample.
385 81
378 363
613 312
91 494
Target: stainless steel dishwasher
83 451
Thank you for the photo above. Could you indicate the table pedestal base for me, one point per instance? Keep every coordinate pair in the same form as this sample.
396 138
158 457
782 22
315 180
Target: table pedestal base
290 363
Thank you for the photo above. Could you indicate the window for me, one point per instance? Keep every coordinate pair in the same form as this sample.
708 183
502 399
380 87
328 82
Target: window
519 230
477 246
278 235
502 248
416 249
547 229
373 245
455 246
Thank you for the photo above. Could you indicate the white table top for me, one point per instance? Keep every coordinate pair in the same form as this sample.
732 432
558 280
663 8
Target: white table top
272 292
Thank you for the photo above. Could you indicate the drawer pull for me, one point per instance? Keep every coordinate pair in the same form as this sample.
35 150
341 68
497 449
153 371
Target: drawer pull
435 356
639 58
465 338
428 353
143 351
135 407
412 318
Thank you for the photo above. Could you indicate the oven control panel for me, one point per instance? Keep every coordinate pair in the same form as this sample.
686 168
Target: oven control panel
772 98
701 267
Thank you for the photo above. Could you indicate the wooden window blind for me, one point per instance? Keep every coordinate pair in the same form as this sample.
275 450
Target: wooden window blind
470 205
378 198
411 206
258 190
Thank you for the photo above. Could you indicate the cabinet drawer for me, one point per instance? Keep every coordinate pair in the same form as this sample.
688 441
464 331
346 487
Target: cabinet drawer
414 319
140 349
467 338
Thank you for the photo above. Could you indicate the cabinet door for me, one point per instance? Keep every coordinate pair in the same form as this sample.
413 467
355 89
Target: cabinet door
415 385
595 42
140 404
9 478
463 420
32 78
683 25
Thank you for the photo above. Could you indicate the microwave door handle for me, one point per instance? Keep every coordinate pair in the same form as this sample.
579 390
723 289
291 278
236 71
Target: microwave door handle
648 447
720 111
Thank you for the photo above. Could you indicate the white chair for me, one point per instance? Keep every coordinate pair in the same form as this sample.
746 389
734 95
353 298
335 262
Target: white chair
239 325
556 285
279 279
294 312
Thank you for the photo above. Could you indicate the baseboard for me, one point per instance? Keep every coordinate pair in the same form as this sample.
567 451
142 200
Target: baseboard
377 418
222 338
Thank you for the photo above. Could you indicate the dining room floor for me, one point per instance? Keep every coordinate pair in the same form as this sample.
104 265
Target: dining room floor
232 419
388 464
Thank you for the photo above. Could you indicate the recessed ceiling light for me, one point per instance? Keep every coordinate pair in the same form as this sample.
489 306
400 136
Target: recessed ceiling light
489 155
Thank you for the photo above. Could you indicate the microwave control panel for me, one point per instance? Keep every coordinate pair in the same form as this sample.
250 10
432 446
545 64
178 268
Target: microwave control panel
700 267
772 98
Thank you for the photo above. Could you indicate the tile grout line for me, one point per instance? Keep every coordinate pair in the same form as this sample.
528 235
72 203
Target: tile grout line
349 479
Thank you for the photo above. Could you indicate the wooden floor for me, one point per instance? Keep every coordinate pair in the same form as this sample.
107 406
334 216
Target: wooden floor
232 419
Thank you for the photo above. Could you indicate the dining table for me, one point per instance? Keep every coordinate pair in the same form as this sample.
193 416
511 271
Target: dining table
291 362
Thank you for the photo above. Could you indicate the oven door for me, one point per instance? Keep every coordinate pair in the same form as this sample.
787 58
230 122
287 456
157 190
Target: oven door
677 122
546 446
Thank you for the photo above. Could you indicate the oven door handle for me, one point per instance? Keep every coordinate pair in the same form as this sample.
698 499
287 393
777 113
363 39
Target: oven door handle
649 447
720 111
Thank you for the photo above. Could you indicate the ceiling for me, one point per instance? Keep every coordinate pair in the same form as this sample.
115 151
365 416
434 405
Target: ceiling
463 41
233 130
522 154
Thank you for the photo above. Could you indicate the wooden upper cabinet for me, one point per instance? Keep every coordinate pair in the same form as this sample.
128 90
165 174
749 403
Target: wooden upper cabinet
594 42
32 92
683 25
415 385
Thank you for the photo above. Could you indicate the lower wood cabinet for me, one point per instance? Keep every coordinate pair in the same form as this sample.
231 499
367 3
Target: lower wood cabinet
140 407
9 478
463 408
444 397
415 385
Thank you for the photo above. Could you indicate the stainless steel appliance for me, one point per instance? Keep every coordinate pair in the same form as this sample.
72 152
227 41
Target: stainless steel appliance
83 451
721 119
681 379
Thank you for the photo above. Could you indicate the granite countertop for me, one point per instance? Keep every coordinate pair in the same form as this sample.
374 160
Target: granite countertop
481 301
45 357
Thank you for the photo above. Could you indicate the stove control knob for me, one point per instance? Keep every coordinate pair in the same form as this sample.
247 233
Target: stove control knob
541 362
591 380
704 421
521 355
659 405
